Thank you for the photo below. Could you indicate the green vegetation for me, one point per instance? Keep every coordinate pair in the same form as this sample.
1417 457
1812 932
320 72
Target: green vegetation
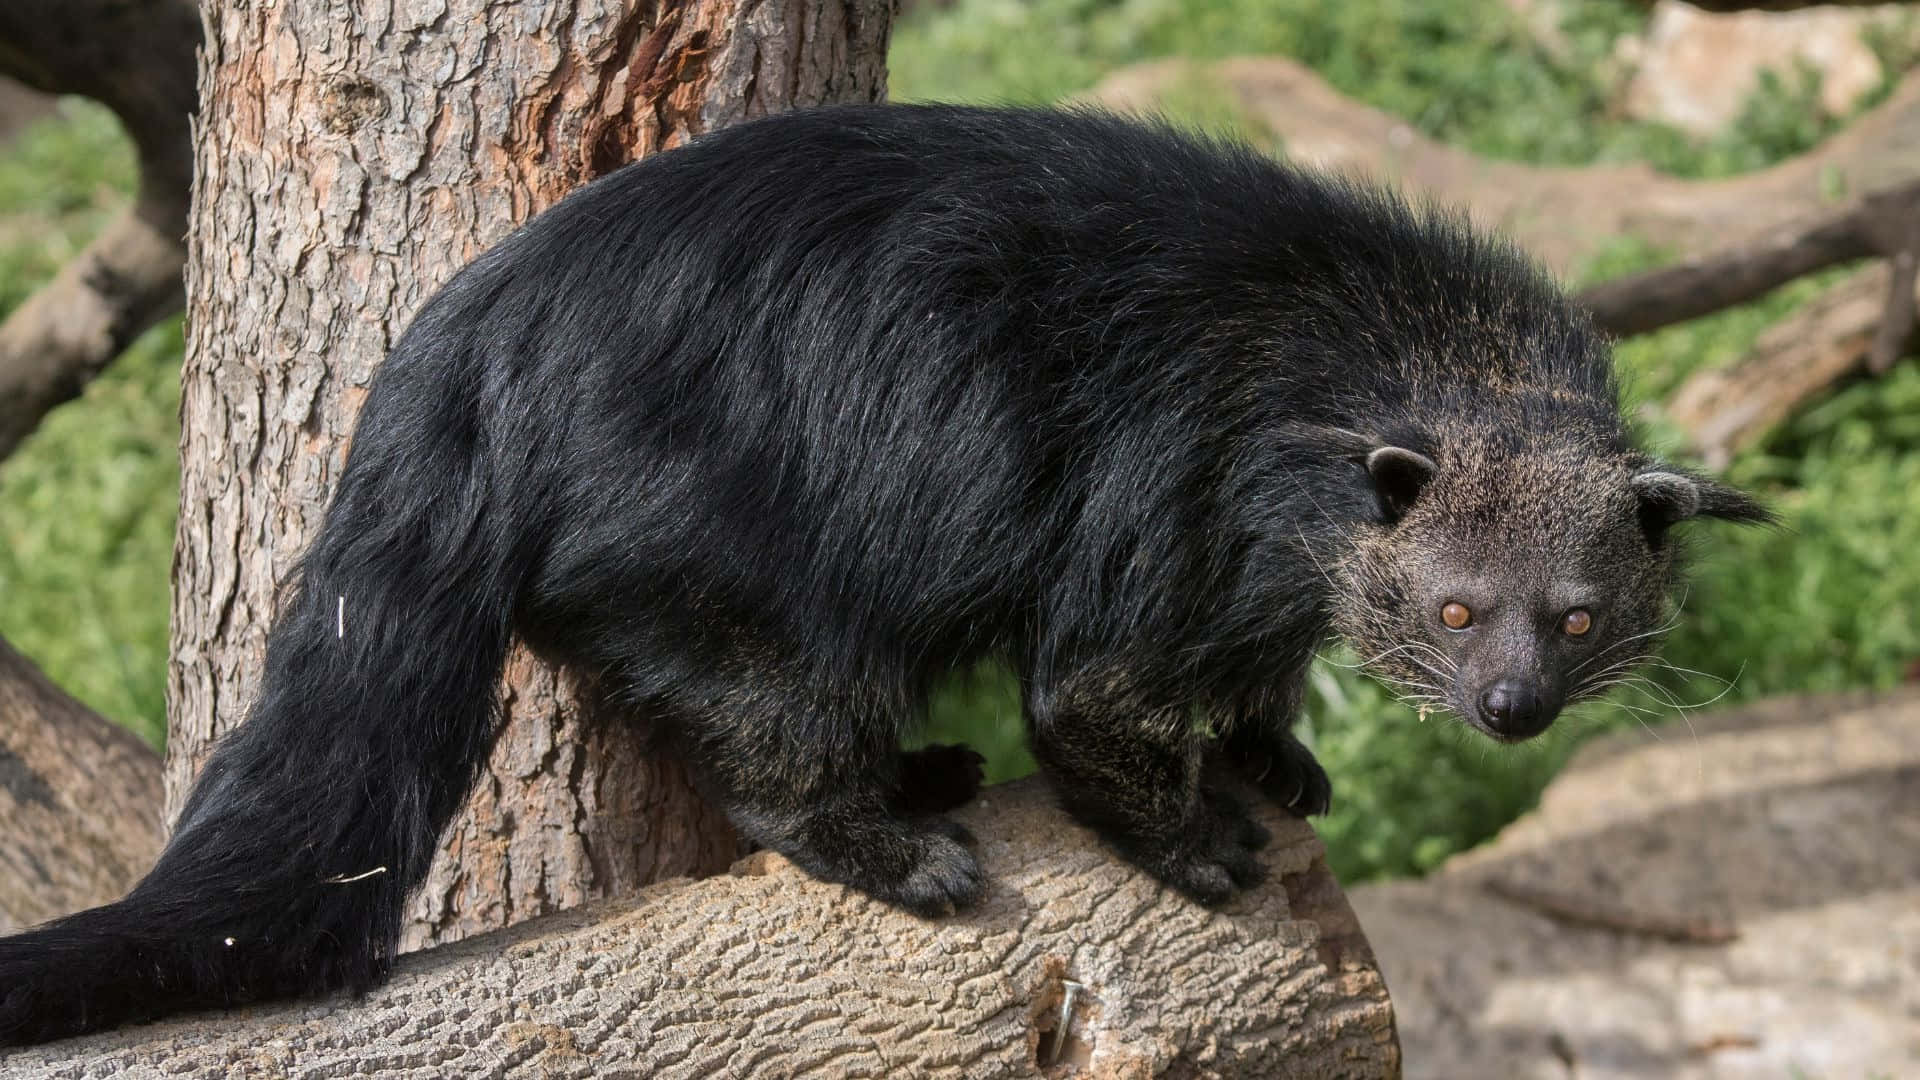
1468 71
87 507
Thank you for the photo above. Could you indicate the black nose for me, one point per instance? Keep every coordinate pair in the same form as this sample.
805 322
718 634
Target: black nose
1512 707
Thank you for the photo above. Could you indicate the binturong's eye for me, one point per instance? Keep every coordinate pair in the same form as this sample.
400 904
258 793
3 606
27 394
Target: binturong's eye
1456 616
1576 622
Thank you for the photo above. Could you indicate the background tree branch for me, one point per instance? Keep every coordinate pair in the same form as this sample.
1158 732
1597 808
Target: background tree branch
766 972
1884 223
137 58
1724 410
79 796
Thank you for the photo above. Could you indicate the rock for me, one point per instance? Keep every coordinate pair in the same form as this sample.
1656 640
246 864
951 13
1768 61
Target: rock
1796 821
1696 69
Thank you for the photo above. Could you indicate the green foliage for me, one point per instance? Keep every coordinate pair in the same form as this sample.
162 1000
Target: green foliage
982 709
60 180
1466 71
1827 601
87 504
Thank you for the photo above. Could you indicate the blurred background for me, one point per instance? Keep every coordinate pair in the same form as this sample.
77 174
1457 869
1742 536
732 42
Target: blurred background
1610 136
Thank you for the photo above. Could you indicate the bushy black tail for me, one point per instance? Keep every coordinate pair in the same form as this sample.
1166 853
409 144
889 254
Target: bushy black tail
289 868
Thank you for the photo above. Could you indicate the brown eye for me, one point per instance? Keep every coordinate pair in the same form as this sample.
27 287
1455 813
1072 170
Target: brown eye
1456 616
1576 622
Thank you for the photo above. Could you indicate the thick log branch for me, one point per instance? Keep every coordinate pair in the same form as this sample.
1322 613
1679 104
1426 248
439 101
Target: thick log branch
79 799
137 58
766 972
1885 223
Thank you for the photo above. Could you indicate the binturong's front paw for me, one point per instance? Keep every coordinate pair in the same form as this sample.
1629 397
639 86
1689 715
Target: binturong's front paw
1285 771
1210 855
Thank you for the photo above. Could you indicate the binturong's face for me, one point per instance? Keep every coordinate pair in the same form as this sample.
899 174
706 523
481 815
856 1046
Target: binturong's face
1505 586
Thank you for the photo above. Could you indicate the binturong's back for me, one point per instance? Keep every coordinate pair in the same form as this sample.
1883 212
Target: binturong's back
763 435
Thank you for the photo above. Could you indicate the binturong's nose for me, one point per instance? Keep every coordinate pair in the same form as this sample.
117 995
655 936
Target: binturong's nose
1515 709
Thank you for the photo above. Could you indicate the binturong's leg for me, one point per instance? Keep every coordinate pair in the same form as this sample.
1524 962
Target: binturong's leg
820 781
1260 744
1137 775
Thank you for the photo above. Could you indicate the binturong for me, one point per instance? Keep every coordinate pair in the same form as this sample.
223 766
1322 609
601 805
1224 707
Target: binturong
766 435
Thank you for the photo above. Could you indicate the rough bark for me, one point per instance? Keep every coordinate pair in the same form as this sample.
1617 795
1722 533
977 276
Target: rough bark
136 57
769 973
79 799
350 159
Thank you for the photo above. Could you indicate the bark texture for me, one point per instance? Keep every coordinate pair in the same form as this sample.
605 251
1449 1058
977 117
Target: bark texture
79 797
350 159
135 57
768 973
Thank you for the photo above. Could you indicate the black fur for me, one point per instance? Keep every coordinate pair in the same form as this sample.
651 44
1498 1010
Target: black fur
767 434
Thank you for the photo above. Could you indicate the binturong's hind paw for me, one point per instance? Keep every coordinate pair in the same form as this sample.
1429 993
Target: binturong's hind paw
921 864
1211 855
945 879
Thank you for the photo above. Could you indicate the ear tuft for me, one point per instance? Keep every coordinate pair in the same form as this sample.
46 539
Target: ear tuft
1665 498
1398 477
1668 497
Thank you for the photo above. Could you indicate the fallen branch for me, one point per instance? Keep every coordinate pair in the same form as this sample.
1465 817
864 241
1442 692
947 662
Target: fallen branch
79 801
1885 223
1896 324
1564 216
137 58
1587 911
66 333
766 972
1725 410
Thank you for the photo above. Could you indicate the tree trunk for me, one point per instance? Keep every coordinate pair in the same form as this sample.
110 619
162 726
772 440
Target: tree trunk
79 800
350 158
769 973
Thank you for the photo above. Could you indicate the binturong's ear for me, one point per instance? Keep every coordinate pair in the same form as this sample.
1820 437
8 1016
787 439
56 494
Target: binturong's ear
1668 496
1398 477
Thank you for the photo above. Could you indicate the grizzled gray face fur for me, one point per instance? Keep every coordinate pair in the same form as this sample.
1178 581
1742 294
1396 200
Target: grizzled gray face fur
1503 583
